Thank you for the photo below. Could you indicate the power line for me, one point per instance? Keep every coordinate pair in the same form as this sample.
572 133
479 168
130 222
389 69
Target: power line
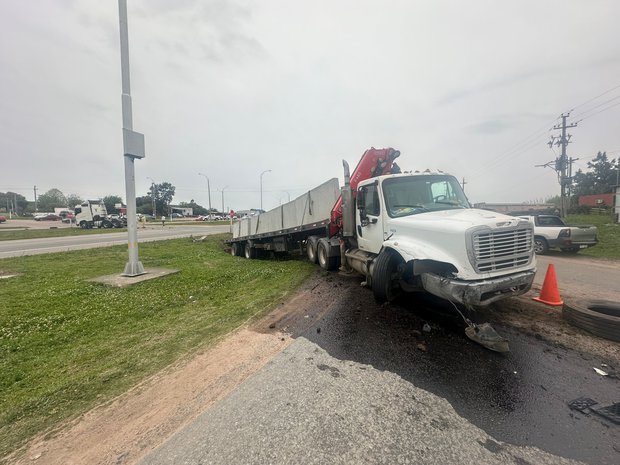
600 111
597 106
594 98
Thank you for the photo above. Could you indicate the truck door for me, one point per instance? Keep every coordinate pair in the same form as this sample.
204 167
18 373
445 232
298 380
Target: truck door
369 221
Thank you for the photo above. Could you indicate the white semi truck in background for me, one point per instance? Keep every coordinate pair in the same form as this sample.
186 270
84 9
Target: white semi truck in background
92 214
404 232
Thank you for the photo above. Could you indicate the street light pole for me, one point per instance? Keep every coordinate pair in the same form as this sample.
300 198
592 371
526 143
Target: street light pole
133 147
223 198
261 188
208 189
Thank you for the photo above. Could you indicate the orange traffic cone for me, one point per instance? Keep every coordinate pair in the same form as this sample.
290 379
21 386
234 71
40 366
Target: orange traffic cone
550 293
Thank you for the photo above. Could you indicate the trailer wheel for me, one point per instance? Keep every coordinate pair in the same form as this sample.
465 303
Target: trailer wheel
325 261
385 279
540 245
599 317
250 252
311 249
235 249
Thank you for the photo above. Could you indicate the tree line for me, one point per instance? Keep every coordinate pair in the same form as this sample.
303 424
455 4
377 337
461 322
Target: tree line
159 196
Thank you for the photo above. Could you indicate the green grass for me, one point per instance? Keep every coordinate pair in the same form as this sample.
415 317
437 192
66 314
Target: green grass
608 235
67 344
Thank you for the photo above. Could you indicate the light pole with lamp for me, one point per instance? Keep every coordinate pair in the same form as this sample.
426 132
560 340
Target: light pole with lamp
208 189
261 188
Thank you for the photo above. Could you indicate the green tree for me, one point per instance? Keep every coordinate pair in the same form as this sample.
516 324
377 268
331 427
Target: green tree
110 201
196 208
73 200
53 198
13 201
600 177
163 194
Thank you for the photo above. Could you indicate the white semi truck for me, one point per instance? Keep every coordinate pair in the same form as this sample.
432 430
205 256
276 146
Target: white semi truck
92 214
404 232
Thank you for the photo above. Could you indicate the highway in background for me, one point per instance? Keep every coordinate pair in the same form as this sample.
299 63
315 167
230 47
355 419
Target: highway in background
23 247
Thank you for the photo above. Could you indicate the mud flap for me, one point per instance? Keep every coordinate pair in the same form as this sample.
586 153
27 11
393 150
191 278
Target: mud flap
486 336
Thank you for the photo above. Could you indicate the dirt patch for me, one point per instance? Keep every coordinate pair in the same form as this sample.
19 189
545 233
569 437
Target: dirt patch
126 428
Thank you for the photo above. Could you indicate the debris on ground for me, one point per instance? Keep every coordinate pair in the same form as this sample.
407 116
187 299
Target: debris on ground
426 328
600 372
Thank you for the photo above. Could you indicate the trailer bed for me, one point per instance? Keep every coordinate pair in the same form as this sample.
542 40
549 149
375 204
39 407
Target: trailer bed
307 212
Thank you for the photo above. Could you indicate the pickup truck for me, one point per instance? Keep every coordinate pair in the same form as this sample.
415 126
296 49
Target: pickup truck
551 232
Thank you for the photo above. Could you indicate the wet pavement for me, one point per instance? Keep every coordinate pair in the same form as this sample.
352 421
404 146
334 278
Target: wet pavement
400 383
520 397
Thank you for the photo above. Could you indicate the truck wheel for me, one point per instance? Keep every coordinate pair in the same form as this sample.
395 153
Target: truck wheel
540 246
83 224
311 243
235 249
599 317
250 252
325 261
385 279
106 224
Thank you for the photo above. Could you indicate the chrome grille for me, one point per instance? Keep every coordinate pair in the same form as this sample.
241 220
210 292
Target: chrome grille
501 249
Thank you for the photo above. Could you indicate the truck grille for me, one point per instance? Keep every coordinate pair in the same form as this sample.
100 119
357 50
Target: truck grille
501 250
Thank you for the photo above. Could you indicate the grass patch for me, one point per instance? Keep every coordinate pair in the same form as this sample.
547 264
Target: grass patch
608 235
67 344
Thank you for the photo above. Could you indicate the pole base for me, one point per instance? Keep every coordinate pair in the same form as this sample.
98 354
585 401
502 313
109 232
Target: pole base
133 269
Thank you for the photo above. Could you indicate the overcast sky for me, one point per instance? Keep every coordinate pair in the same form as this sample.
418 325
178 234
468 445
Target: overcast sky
233 88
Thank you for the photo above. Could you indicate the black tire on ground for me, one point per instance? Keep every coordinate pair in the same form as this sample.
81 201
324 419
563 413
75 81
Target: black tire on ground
107 224
540 245
325 261
311 249
249 251
385 281
599 317
235 249
83 224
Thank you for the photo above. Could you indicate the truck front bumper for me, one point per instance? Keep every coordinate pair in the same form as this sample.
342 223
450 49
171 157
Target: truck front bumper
481 292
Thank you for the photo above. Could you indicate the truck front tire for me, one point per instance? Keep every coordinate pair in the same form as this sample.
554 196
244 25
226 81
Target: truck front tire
385 278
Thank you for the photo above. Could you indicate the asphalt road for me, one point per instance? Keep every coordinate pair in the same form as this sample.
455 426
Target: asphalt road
62 244
367 384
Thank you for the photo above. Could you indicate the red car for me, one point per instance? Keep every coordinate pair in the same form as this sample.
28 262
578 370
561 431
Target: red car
47 217
2 219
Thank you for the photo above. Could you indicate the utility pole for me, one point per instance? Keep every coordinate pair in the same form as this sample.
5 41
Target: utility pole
36 205
463 184
223 211
561 162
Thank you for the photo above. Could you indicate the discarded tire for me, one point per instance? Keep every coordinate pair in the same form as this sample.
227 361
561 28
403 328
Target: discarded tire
599 317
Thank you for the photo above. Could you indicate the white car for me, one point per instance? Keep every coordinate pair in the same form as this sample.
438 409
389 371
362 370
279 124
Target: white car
551 232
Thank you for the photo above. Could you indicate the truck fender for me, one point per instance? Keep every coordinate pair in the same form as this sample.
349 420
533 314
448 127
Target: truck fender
423 258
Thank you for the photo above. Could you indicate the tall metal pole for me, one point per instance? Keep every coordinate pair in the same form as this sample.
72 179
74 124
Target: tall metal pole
261 188
153 197
223 198
133 147
208 189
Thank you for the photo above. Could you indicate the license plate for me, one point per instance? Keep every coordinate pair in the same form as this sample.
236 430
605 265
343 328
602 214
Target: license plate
583 246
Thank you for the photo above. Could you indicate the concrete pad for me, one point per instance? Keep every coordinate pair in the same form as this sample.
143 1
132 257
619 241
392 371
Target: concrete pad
118 280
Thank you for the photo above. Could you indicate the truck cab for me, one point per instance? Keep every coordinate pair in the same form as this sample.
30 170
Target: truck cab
423 224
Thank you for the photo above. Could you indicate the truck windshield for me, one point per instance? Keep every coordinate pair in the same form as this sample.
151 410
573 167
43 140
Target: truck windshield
411 195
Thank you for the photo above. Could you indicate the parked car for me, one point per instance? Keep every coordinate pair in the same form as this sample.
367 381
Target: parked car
47 217
551 232
68 218
177 215
2 219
